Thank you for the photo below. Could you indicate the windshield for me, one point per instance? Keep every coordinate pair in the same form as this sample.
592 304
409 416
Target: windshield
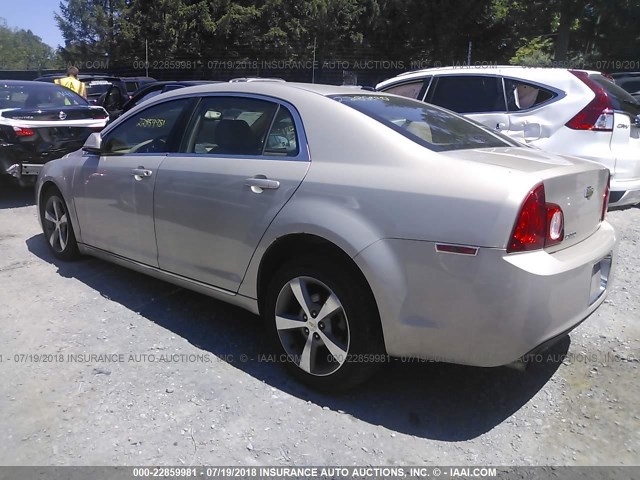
429 126
37 95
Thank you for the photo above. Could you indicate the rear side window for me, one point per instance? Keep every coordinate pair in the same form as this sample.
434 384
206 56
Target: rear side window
467 93
409 90
426 125
242 126
147 131
523 96
620 98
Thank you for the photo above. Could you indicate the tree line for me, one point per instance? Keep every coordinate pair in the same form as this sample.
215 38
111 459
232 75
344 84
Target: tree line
602 34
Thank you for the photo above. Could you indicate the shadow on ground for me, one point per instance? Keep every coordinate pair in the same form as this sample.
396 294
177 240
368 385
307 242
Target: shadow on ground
431 400
13 196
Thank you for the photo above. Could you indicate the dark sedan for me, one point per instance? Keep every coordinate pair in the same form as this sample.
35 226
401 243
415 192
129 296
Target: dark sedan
41 122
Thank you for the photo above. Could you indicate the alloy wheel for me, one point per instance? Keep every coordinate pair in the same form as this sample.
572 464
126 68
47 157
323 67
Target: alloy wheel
56 224
312 326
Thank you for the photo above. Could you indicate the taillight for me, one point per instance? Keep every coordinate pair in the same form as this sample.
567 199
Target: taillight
23 132
605 199
598 114
539 224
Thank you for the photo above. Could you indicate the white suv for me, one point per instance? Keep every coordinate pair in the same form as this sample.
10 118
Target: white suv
570 112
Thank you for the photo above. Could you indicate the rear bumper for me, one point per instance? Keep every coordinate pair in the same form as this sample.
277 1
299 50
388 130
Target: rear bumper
624 192
485 310
19 170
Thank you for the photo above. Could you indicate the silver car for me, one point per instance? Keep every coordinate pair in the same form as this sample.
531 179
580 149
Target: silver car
361 226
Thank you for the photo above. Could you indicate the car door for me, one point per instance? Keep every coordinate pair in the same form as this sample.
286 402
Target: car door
479 97
240 162
113 191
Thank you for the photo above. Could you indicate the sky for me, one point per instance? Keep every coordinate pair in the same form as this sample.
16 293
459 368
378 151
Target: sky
34 15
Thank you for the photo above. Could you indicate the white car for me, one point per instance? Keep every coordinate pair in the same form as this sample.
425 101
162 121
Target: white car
570 112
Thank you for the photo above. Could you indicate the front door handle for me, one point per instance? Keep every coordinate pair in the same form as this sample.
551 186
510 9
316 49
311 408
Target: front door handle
140 173
260 183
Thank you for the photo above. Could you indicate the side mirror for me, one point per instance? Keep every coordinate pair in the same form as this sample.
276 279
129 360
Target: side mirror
93 145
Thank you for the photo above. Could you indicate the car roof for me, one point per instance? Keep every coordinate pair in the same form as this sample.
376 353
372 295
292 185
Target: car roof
289 92
268 88
540 74
489 69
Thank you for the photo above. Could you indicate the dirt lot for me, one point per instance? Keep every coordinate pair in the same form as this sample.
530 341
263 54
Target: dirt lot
103 366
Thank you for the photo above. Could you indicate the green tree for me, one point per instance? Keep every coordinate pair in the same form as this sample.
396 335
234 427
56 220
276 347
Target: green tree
23 50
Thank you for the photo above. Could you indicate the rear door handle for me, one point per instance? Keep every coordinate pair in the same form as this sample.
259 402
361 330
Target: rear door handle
141 172
258 184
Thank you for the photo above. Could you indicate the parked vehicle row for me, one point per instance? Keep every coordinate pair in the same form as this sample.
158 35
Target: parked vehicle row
358 224
569 112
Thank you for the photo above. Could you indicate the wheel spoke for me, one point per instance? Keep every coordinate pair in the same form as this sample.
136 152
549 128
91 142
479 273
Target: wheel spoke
299 289
55 209
63 219
52 238
333 348
331 306
48 217
62 239
305 358
284 323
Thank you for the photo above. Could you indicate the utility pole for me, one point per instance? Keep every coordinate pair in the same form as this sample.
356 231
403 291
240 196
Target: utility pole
146 56
313 66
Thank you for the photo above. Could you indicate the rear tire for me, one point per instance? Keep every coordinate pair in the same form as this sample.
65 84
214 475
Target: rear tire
323 321
57 227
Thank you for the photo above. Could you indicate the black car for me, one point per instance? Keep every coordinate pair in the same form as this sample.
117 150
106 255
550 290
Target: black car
133 84
630 81
114 102
41 122
96 84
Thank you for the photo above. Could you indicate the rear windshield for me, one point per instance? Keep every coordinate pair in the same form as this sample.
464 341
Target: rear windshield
621 99
431 127
37 95
95 88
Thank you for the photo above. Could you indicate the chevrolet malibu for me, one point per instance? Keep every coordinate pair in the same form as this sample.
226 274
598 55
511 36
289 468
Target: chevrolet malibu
359 225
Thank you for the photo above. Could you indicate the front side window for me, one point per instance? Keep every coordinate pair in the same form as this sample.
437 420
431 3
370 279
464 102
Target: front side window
467 93
426 125
147 131
409 90
241 126
523 96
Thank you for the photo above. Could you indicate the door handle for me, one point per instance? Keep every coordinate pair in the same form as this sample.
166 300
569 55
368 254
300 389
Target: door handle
141 172
260 183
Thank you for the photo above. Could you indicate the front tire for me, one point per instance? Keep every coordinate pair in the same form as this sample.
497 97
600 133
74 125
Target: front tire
57 227
323 320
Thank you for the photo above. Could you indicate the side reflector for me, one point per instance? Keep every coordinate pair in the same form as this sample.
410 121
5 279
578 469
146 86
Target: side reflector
459 249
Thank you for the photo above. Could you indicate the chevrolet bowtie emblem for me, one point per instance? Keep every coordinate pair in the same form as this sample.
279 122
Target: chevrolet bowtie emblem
588 192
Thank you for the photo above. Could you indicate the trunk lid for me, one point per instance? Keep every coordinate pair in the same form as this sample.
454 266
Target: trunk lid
580 195
576 185
57 114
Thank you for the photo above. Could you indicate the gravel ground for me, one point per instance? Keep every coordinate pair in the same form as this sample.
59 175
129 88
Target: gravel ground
183 379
